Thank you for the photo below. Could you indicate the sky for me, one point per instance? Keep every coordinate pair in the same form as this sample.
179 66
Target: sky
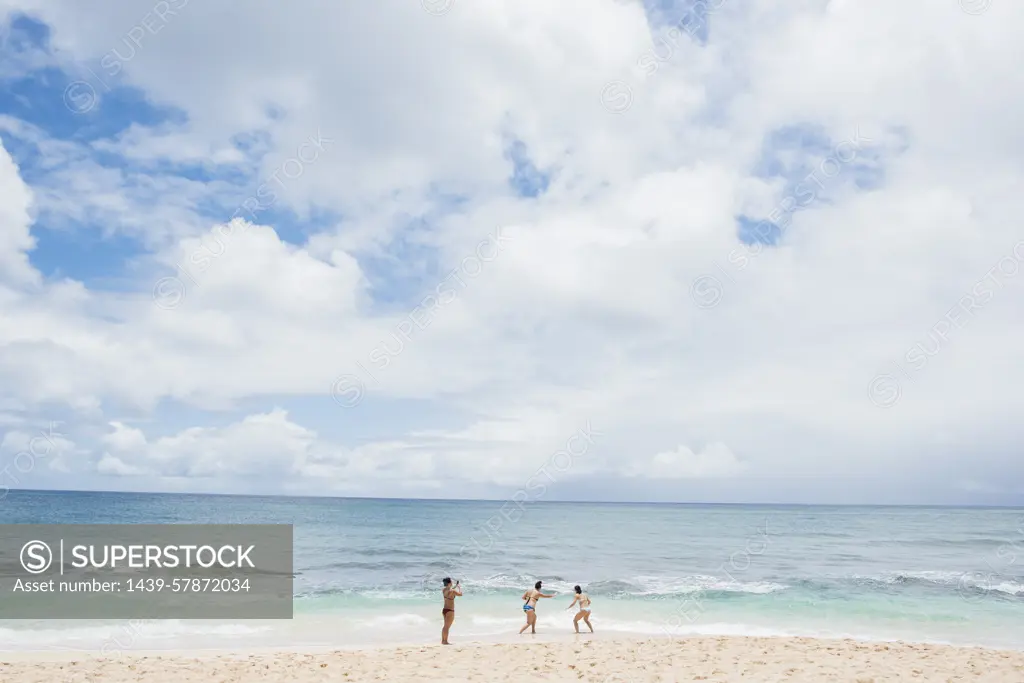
723 251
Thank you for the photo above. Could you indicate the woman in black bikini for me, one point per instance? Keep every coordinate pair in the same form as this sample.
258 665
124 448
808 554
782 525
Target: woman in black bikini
448 611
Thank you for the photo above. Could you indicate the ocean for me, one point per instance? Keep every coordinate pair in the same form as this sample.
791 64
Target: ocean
369 571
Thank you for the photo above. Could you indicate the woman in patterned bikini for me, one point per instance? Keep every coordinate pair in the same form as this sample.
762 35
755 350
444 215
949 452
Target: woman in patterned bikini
530 606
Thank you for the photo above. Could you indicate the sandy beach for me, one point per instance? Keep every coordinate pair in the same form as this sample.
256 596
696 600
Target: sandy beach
724 659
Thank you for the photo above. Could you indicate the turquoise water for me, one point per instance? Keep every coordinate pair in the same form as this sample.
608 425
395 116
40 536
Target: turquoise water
370 570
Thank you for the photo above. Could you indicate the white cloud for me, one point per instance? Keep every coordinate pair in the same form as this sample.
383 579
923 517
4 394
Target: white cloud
31 453
15 219
588 313
110 464
262 449
716 460
267 444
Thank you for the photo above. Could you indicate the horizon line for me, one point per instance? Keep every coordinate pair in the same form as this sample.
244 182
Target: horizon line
506 500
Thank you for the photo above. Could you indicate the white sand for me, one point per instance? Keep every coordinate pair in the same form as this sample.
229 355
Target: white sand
761 660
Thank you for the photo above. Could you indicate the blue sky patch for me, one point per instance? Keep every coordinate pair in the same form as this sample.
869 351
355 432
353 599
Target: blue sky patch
813 168
86 255
758 231
785 151
406 270
86 105
689 17
795 152
23 32
527 180
89 105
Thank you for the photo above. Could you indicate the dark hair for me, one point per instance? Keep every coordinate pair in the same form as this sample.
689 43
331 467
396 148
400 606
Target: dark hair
446 581
578 589
537 585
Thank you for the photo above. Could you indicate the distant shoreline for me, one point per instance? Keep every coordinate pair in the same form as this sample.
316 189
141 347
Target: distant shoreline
281 496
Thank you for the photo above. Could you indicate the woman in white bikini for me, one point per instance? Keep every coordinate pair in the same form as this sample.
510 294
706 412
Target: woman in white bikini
583 600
